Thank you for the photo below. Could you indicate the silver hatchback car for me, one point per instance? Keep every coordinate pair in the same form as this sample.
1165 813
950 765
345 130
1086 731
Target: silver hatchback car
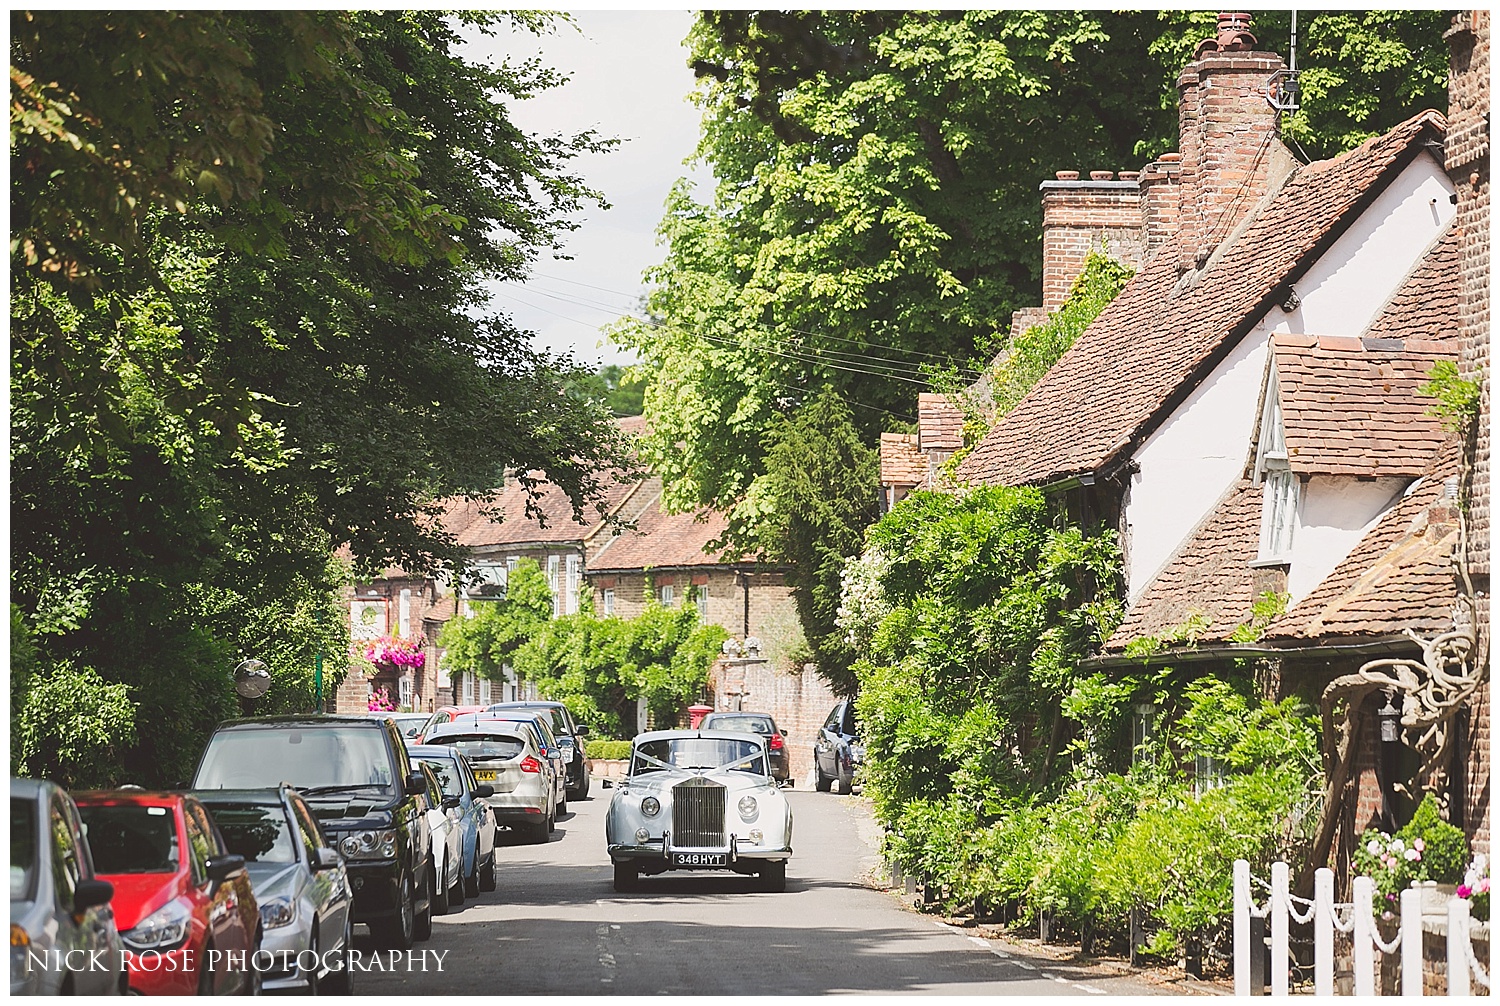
63 937
506 757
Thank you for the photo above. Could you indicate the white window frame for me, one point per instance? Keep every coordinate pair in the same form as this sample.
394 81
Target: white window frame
573 567
466 689
607 599
484 691
554 582
1280 488
666 593
404 689
700 599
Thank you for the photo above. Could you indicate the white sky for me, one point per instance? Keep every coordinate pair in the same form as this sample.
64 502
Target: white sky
629 79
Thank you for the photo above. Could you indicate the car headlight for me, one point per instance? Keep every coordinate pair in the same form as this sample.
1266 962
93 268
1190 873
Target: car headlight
369 845
278 912
651 806
642 836
166 928
748 807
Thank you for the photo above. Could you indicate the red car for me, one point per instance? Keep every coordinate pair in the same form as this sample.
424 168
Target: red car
183 902
443 714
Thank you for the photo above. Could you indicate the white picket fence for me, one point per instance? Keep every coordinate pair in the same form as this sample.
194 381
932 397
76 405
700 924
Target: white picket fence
1358 919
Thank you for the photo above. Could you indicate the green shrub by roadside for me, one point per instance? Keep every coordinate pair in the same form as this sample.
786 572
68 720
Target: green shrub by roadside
604 750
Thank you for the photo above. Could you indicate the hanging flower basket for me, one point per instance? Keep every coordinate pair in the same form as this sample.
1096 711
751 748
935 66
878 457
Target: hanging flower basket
396 652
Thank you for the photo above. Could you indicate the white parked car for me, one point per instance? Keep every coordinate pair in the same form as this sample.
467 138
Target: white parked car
699 800
447 843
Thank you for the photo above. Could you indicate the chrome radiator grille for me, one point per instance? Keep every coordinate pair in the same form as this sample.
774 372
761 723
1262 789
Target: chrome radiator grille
698 814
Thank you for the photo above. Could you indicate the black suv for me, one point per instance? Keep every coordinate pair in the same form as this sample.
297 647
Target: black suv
355 774
569 736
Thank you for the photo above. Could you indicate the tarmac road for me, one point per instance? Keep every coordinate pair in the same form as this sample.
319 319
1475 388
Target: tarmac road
556 926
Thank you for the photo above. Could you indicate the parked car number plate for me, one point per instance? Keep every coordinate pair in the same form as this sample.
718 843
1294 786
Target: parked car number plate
700 859
486 775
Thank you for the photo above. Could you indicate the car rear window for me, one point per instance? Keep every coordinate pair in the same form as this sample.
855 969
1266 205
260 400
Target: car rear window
484 746
259 832
22 849
310 757
746 724
126 838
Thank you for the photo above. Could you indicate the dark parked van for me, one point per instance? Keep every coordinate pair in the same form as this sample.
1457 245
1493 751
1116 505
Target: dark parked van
355 774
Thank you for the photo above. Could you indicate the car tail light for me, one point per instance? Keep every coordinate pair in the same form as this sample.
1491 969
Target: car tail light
776 742
530 764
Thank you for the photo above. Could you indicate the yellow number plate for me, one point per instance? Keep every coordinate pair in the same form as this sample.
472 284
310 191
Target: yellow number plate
486 775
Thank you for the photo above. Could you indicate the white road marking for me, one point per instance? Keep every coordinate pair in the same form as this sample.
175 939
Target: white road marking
1023 964
1089 989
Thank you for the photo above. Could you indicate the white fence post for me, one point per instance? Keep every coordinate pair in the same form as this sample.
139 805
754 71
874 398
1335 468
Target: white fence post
1411 942
1323 932
1458 947
1364 940
1280 934
1241 927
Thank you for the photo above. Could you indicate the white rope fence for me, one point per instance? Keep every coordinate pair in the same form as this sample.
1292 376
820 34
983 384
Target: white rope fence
1356 918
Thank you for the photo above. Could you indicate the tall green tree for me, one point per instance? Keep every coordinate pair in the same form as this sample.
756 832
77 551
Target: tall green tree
485 641
808 513
248 328
875 210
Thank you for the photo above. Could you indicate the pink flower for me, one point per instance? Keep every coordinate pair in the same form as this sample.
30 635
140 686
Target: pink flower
1484 885
1419 845
1413 855
1463 890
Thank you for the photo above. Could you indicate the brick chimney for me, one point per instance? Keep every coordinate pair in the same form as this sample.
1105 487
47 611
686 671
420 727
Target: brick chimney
1228 130
1161 195
1078 217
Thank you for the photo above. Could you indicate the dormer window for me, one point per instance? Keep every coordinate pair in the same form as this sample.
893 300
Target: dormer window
1278 514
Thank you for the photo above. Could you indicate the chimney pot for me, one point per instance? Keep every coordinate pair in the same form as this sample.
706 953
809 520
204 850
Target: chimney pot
1171 158
1067 176
1101 176
1130 176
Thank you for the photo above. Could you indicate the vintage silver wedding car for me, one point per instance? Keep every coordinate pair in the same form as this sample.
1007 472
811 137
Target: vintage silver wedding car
699 800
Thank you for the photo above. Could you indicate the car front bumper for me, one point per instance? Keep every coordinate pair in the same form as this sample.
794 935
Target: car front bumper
656 855
283 944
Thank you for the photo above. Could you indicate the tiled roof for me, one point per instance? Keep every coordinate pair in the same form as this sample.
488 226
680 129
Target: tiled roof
1209 576
662 539
1128 368
901 464
1426 304
940 423
1351 406
1398 577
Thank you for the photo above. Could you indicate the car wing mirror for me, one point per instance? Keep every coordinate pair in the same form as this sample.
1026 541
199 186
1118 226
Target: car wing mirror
484 789
89 893
416 784
785 734
221 868
449 802
582 731
325 858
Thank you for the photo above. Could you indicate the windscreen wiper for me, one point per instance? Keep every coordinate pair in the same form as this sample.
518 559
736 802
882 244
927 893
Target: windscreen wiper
315 790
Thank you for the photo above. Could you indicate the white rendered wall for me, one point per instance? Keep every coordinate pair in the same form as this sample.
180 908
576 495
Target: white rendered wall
1189 462
1333 515
1344 289
1191 459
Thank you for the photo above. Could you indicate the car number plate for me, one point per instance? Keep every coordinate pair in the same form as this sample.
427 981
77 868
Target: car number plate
700 859
486 775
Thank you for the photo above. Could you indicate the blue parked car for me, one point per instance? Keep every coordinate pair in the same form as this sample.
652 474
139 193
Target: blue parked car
476 820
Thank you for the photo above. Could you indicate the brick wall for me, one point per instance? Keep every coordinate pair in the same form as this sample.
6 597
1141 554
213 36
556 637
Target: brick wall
1083 216
798 700
1160 196
1467 155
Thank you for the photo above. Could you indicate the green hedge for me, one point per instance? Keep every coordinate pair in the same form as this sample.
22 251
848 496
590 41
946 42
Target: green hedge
606 750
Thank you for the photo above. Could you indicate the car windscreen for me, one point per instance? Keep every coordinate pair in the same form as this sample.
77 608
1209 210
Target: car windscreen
259 832
743 724
126 838
447 773
22 849
481 747
311 757
410 726
698 753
